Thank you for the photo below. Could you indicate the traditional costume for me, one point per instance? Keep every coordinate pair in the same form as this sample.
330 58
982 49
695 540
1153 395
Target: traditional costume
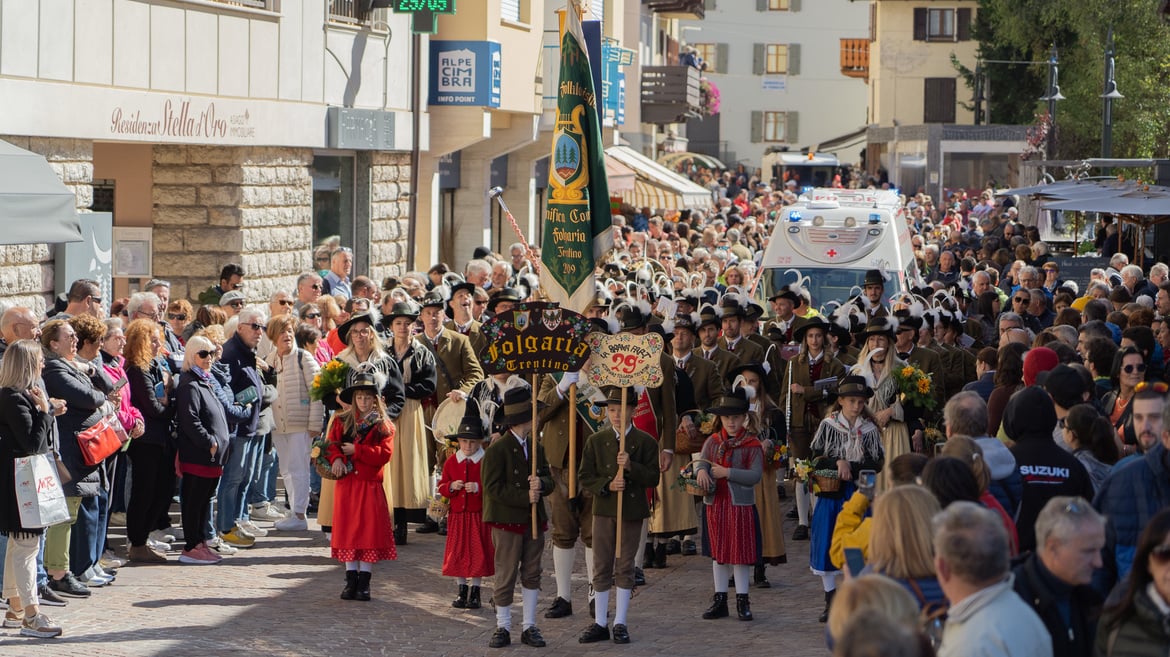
469 553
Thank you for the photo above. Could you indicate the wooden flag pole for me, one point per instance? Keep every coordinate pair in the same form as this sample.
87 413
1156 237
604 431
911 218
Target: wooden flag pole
621 473
532 437
572 441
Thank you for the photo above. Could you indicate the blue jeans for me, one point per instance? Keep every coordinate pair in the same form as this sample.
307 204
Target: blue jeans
89 535
239 471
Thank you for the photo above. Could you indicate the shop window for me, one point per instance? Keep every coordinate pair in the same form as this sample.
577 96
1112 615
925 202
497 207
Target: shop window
333 198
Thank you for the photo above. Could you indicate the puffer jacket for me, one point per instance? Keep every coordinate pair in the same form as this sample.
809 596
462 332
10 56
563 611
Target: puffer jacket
85 398
1129 498
293 411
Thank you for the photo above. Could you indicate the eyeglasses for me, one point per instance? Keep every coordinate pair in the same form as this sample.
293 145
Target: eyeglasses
255 327
203 353
1022 299
95 299
236 304
312 315
1160 387
1161 554
177 317
1130 369
316 286
285 302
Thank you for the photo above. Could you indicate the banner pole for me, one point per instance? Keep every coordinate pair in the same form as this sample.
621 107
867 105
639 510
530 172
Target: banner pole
620 473
572 441
532 443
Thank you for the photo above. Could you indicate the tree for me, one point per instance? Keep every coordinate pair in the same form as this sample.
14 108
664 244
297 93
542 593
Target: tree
1027 29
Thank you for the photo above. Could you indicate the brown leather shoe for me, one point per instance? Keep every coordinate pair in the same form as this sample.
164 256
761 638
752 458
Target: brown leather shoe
143 554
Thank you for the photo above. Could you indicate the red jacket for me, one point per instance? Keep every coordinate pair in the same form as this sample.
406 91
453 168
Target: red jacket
371 451
467 471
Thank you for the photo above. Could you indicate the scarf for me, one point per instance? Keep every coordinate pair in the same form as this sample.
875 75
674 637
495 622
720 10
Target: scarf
727 444
836 438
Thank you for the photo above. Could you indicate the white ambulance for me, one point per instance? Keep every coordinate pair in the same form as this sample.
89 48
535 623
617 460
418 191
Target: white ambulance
833 236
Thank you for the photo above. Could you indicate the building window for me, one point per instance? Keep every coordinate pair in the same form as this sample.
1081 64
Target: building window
939 100
708 53
514 11
333 197
940 24
777 5
775 126
776 58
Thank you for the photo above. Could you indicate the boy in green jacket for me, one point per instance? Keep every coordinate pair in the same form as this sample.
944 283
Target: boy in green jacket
600 462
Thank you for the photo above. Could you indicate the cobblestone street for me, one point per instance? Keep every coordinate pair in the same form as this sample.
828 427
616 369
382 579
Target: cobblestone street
280 598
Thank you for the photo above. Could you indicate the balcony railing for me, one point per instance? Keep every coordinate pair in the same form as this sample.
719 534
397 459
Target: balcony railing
251 4
670 94
352 11
855 58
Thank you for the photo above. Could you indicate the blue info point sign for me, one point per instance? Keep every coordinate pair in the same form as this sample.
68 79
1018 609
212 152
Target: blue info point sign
424 13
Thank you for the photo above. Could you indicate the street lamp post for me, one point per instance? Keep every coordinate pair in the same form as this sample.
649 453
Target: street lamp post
1052 96
1108 96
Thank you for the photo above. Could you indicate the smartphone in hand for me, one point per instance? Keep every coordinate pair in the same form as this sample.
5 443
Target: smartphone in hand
854 561
867 479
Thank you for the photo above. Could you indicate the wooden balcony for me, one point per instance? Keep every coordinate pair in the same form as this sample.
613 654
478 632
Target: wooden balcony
670 94
855 58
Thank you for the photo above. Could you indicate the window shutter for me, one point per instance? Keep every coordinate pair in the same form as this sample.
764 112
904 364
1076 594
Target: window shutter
963 24
709 5
510 10
793 5
791 123
920 24
758 59
757 127
794 59
761 5
939 100
721 51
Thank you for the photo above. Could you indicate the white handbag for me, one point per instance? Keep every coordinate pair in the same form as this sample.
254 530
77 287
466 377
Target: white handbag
39 495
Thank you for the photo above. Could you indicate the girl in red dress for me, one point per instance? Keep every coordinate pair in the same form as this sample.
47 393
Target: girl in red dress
361 440
734 465
469 553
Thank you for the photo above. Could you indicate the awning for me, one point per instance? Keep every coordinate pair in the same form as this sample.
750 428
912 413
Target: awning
35 206
1146 201
838 144
671 161
656 186
1071 188
621 177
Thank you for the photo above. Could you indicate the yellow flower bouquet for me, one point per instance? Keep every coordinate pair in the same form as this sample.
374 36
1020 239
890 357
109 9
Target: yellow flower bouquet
914 386
330 380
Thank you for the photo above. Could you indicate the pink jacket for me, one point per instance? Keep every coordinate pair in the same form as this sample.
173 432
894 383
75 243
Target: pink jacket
128 414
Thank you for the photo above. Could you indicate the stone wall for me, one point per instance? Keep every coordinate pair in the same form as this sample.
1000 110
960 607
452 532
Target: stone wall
26 270
389 215
215 205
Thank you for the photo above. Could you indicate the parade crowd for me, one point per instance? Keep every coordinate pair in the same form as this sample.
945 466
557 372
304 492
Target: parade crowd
979 463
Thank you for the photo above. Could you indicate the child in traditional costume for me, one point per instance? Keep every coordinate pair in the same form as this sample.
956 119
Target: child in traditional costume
469 553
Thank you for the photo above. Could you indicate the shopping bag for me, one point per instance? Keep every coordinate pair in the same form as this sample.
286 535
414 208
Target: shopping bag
38 492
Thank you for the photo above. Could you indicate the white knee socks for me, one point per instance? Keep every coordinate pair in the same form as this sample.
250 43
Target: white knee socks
641 554
504 617
722 573
742 573
529 598
601 607
623 606
802 502
563 571
589 569
829 582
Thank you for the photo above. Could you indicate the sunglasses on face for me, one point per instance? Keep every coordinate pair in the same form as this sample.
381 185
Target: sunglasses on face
285 302
177 317
1021 300
203 353
256 327
316 286
1130 369
236 304
96 299
1161 555
312 315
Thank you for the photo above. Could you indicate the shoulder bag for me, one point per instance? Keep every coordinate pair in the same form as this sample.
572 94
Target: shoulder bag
101 440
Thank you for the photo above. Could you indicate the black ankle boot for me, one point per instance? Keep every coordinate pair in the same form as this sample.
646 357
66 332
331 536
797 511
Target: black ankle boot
660 555
400 533
473 598
648 556
363 587
743 607
461 601
350 590
718 608
761 578
828 604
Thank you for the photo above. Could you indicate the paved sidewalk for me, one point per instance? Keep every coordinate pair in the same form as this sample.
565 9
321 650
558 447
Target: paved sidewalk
280 598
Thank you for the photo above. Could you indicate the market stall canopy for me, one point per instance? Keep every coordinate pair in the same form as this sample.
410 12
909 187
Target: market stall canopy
621 177
1071 189
656 186
672 160
1144 201
35 206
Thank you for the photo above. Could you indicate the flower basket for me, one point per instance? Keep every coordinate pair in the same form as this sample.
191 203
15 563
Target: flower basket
688 479
826 481
438 508
330 380
318 453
